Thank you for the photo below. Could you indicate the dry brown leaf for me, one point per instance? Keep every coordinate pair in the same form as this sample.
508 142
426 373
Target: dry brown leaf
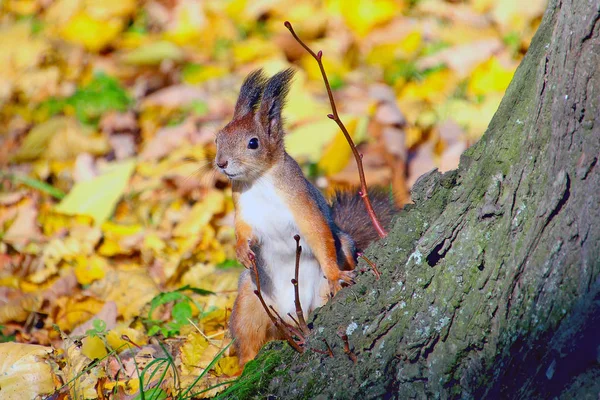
130 289
25 227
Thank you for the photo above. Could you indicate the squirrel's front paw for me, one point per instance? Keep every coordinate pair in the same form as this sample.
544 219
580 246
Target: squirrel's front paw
244 254
346 277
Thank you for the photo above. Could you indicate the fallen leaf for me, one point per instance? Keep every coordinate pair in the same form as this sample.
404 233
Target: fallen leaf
153 53
130 289
93 347
362 16
78 371
99 196
24 371
89 269
91 32
73 311
337 153
18 309
60 138
200 215
490 76
25 227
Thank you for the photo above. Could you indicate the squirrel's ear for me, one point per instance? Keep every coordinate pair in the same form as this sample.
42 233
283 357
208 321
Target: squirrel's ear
273 100
250 93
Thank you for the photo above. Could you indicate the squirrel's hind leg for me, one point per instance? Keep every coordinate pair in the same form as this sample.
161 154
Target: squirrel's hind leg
250 325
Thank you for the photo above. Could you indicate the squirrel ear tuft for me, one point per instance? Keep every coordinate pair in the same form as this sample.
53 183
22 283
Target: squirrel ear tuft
273 100
250 93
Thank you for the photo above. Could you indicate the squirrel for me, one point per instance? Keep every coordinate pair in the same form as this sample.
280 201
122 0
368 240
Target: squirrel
274 202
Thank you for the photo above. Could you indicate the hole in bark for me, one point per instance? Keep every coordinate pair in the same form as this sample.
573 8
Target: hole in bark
434 257
480 266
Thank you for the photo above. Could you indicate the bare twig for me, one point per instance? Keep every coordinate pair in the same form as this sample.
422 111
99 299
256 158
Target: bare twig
279 324
128 340
318 351
329 351
301 321
291 329
294 319
347 350
334 116
375 270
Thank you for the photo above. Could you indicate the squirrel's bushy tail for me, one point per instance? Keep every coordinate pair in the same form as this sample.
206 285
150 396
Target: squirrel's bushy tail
350 214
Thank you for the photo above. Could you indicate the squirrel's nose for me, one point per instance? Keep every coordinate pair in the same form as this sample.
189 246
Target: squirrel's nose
222 165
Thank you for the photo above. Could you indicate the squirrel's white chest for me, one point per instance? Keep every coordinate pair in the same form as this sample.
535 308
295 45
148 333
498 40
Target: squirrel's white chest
274 227
264 210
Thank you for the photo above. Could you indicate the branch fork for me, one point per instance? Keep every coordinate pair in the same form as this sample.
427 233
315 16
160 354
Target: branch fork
294 335
334 116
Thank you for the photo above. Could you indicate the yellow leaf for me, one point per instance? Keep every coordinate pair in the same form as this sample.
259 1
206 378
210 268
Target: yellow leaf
129 288
153 53
411 43
92 33
362 16
53 221
153 243
74 311
197 352
214 321
193 348
204 73
60 138
93 347
110 8
338 152
413 136
24 372
119 239
513 15
82 376
20 48
115 340
81 241
38 138
473 117
188 20
201 214
253 49
490 76
434 88
129 386
333 63
90 269
98 196
306 142
22 7
227 366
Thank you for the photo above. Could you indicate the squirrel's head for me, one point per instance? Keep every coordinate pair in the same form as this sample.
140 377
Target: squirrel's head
253 141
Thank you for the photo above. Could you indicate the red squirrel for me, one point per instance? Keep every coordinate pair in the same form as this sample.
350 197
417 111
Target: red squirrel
273 202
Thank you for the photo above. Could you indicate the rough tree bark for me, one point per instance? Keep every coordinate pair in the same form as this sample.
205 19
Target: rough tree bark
491 281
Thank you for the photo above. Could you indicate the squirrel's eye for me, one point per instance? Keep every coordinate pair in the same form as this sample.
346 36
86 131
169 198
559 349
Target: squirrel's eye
253 143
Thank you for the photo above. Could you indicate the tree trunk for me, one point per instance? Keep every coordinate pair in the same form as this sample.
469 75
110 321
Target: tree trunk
490 282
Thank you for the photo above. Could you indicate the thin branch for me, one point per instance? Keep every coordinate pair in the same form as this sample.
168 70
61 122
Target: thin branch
294 319
347 350
329 351
334 116
301 321
373 266
276 322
